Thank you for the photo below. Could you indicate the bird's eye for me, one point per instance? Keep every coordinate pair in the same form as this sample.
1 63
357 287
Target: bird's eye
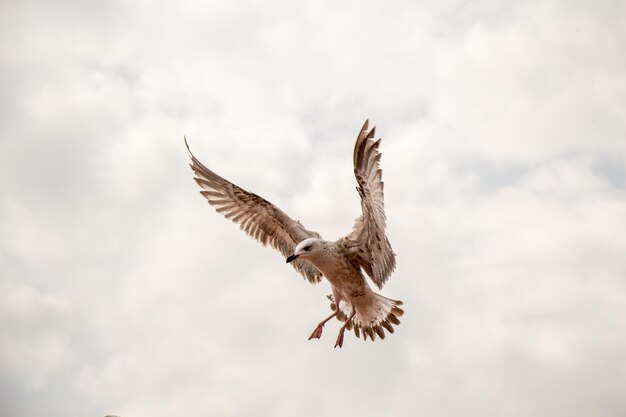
307 248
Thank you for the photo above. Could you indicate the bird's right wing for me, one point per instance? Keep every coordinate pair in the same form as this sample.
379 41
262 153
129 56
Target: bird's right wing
255 215
375 255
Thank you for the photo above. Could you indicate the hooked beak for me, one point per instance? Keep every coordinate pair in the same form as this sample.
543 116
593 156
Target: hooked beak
291 258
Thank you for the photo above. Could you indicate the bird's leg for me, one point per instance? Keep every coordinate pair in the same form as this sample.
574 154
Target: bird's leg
317 333
339 341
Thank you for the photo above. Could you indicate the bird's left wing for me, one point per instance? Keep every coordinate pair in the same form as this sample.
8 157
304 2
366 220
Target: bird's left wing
256 216
375 255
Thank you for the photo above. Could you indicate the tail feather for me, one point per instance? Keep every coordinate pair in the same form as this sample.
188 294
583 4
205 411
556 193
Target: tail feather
374 314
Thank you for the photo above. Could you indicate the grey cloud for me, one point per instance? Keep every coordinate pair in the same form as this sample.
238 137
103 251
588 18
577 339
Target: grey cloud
612 170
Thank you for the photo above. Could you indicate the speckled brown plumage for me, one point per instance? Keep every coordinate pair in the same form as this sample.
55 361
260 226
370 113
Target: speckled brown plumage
365 251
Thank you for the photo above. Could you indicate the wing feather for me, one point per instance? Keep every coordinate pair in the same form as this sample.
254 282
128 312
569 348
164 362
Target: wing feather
372 250
256 216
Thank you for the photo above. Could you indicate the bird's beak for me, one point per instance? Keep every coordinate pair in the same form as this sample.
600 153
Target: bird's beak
291 258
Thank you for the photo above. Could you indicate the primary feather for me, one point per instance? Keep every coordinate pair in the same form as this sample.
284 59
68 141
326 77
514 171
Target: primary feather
376 256
256 216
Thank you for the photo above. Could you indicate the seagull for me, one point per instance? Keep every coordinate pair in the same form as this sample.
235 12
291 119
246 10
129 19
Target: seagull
345 263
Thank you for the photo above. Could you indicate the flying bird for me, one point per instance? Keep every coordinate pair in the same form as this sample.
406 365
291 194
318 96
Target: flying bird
345 263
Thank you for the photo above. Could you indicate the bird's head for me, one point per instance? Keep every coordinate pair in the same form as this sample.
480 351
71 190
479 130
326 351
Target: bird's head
305 249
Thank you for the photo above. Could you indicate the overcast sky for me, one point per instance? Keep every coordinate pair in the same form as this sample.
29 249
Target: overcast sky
504 160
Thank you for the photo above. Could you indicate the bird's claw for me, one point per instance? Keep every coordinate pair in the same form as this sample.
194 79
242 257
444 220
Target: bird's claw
317 333
339 341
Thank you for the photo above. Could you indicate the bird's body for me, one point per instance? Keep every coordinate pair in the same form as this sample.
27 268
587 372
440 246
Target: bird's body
338 262
342 262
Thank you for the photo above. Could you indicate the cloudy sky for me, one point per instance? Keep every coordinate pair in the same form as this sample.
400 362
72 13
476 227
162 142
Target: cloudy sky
504 157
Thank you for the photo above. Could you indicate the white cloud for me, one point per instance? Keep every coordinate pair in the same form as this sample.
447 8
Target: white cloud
504 164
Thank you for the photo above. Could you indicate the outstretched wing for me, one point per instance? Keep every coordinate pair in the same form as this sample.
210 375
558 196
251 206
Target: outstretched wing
256 216
375 255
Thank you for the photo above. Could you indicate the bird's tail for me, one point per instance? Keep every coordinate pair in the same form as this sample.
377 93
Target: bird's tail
374 315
